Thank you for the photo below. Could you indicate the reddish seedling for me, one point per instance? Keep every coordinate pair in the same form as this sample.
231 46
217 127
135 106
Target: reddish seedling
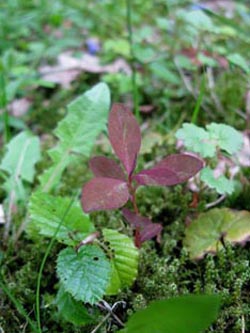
114 185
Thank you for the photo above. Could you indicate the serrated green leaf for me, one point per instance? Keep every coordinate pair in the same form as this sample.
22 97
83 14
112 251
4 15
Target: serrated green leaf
71 310
23 152
84 274
225 137
196 139
184 314
205 233
47 212
124 260
221 184
77 132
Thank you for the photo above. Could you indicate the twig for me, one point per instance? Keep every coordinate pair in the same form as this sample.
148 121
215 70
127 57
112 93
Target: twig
107 307
216 202
243 326
101 323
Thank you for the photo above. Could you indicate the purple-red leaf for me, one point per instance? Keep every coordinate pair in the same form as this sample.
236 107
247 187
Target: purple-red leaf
124 135
102 166
172 170
145 227
157 177
104 194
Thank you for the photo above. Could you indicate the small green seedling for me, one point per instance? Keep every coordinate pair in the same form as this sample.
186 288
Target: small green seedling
211 143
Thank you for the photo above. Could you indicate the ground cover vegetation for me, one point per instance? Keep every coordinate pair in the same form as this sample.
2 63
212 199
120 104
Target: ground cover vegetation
124 166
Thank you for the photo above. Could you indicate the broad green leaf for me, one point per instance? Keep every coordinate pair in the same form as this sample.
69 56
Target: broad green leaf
71 310
77 132
124 260
196 139
23 152
205 142
221 184
205 234
47 212
184 314
225 137
84 274
199 20
238 60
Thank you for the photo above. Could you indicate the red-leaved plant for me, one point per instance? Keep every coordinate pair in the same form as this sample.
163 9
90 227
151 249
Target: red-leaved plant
114 185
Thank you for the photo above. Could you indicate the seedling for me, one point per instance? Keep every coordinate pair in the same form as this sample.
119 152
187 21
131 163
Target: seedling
114 185
212 143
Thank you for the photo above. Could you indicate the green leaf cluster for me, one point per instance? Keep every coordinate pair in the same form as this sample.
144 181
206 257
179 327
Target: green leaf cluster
208 142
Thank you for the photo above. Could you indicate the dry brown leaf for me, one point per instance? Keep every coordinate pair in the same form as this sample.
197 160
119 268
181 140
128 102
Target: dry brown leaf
68 68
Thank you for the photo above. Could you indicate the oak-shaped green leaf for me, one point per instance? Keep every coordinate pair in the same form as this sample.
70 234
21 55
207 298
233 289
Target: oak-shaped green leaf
225 137
84 274
71 310
184 314
124 260
205 234
47 212
196 139
221 184
77 132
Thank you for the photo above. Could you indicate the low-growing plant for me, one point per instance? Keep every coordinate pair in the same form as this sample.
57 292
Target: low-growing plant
212 143
114 185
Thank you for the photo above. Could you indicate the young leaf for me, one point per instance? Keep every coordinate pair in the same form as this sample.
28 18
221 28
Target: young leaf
147 229
104 194
221 184
196 139
47 212
71 310
124 135
225 137
184 314
102 166
77 132
84 274
172 170
206 232
124 260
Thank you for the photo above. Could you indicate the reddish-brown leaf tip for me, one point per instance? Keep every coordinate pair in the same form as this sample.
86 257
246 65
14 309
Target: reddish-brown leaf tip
124 135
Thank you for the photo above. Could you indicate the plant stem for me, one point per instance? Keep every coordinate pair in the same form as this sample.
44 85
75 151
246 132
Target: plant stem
3 106
39 278
199 101
132 59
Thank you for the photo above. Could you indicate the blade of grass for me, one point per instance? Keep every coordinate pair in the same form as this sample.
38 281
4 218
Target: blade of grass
18 305
199 101
45 257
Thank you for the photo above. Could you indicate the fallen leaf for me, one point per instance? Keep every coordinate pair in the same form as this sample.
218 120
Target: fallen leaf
69 67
